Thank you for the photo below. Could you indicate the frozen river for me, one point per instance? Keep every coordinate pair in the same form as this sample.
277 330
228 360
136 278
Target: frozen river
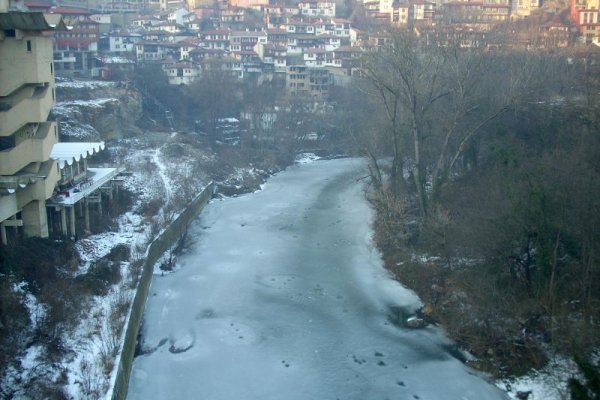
282 296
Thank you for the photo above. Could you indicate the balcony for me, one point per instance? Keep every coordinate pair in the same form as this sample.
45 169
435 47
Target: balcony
36 148
31 104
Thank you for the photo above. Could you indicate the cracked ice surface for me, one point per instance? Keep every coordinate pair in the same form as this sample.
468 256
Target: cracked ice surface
282 296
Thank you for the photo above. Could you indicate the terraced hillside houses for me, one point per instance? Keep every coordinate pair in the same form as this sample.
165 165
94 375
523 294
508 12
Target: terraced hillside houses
265 37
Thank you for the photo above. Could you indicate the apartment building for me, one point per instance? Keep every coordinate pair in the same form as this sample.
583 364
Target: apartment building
27 173
41 180
585 16
305 81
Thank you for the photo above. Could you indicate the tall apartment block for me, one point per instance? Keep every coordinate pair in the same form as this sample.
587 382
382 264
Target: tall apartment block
585 15
27 174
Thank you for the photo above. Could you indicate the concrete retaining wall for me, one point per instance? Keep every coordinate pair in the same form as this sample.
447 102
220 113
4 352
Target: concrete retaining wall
156 249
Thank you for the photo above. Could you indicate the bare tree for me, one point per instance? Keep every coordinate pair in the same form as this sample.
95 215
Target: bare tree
406 77
438 97
216 95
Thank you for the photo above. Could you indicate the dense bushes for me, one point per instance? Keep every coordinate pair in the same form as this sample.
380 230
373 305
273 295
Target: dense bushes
37 261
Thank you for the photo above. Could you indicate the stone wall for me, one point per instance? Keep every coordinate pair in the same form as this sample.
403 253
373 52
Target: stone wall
156 249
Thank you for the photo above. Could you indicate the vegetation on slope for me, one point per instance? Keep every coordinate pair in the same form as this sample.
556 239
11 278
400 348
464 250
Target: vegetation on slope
494 177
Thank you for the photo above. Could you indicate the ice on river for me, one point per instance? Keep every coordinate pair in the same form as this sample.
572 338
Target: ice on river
282 296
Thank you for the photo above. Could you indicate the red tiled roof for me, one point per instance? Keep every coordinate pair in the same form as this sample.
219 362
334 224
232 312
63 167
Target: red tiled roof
74 43
69 11
37 4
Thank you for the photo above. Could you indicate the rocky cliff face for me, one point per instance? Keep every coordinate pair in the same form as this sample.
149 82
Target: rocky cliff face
96 110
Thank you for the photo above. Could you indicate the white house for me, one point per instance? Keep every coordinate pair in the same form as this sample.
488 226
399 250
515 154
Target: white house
181 73
322 8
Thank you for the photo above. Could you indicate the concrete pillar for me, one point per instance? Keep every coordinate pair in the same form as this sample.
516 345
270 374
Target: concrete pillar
63 221
100 202
50 214
72 220
86 214
35 219
3 237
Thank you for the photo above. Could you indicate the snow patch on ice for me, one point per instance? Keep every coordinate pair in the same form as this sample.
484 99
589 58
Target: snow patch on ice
305 158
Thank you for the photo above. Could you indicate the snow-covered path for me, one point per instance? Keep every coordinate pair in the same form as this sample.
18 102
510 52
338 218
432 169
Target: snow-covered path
282 296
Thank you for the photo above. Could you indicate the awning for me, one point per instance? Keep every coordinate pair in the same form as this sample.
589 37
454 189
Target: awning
70 152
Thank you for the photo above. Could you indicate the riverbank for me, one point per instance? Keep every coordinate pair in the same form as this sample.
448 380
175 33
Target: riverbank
484 324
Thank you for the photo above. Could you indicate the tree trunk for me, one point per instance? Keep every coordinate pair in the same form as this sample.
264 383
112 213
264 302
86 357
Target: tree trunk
419 173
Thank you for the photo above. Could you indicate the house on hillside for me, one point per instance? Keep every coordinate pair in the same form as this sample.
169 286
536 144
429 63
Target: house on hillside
309 82
246 40
320 8
314 57
201 54
274 57
277 37
75 50
585 16
216 39
119 42
182 72
71 15
113 67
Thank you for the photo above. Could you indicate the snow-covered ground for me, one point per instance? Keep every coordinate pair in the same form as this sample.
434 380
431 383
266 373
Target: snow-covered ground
78 84
548 384
63 107
95 334
97 337
89 365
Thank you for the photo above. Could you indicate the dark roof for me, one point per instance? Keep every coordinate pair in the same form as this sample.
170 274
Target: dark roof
27 21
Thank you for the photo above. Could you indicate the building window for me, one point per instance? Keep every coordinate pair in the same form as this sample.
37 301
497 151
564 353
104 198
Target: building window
29 45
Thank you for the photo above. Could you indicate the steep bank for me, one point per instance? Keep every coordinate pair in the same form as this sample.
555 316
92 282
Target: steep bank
97 110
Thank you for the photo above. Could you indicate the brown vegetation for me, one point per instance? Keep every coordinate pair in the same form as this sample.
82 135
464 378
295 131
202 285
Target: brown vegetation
495 177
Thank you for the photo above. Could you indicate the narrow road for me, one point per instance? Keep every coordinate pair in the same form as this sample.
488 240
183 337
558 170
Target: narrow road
281 295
